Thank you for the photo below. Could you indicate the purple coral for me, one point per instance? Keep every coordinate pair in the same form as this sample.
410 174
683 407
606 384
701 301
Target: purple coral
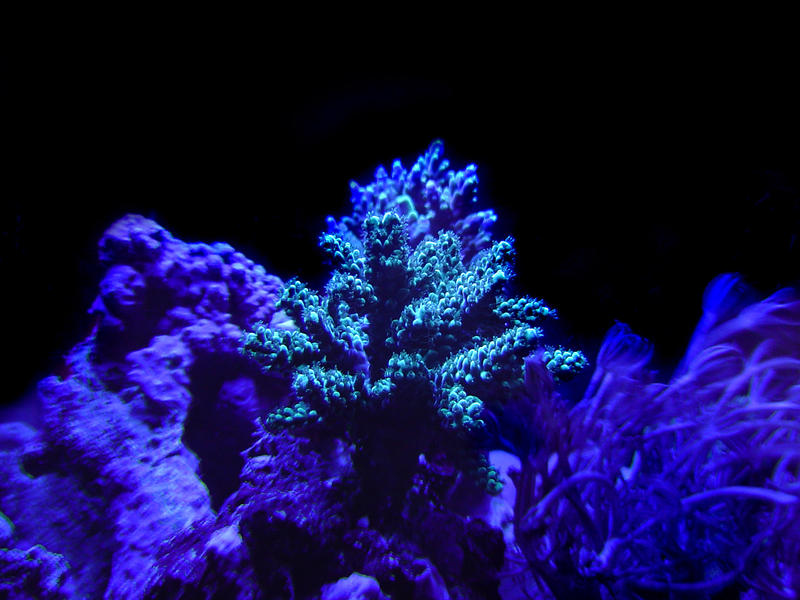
689 487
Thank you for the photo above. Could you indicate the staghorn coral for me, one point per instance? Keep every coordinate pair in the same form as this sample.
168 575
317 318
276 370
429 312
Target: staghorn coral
405 337
691 488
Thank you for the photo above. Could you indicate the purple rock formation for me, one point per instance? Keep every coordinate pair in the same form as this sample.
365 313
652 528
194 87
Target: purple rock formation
688 488
127 456
156 285
34 573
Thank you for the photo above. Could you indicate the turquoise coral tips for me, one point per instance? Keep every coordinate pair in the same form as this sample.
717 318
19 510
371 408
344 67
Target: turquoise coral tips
411 330
430 196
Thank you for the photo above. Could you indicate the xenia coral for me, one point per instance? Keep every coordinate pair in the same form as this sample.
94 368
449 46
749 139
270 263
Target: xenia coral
405 337
690 488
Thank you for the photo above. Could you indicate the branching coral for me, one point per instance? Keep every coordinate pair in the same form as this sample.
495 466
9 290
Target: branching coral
691 487
405 336
430 196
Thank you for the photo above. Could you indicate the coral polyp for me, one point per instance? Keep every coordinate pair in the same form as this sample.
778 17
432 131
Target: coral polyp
430 196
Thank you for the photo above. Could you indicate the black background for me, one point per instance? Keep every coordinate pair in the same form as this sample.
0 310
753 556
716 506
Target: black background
628 180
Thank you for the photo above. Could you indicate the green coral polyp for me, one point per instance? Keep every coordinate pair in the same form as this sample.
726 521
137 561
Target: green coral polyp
407 332
523 310
461 411
296 415
328 388
279 349
564 364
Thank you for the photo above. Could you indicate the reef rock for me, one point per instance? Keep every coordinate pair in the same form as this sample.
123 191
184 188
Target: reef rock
127 456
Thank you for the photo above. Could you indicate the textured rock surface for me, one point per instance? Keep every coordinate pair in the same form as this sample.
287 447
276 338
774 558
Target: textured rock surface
127 455
156 284
34 573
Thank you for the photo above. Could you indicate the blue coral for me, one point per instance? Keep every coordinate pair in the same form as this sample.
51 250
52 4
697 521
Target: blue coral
430 196
407 331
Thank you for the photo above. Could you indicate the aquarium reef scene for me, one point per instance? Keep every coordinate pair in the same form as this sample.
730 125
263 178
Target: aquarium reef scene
410 429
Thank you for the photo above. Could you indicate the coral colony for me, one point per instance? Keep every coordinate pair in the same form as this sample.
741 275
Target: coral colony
399 433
